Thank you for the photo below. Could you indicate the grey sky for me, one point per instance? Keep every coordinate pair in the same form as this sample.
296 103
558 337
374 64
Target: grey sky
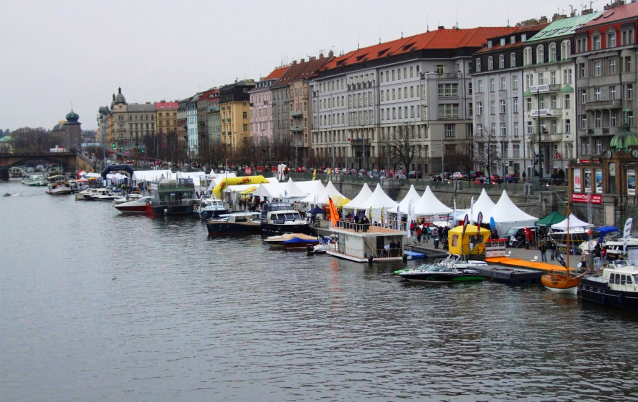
58 53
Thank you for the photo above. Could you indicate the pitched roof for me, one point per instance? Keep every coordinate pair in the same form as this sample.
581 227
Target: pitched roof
563 27
301 70
438 39
166 105
276 73
496 46
613 15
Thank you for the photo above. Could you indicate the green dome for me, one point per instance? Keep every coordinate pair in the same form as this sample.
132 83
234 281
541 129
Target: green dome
624 140
72 117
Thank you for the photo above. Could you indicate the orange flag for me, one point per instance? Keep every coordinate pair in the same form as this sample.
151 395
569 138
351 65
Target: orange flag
334 215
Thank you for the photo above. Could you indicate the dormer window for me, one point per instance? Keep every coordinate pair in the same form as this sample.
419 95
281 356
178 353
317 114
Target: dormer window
489 44
478 65
524 38
512 60
512 39
502 41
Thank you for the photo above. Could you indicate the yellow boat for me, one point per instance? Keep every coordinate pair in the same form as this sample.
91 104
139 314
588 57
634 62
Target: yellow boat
561 282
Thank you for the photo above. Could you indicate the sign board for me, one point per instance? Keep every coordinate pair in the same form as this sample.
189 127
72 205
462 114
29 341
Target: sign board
539 112
539 88
582 198
586 161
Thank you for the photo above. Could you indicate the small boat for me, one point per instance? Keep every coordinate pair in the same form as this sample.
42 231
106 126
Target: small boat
280 217
280 239
432 273
561 282
454 261
234 224
325 244
102 194
79 185
299 243
137 206
614 247
16 173
209 208
616 286
34 180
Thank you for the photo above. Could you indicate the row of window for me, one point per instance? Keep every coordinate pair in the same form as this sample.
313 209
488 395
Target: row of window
610 40
597 92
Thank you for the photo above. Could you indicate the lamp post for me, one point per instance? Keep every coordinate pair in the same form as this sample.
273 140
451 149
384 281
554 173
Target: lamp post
540 145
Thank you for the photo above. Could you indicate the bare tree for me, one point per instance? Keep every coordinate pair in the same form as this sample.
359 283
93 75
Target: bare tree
462 158
488 155
400 146
33 140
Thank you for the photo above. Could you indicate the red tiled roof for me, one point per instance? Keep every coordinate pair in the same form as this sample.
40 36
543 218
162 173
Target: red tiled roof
303 70
613 15
276 73
437 39
166 105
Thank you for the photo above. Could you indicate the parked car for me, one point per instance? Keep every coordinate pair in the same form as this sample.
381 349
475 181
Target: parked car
459 176
510 178
474 174
553 180
480 180
516 236
496 179
415 175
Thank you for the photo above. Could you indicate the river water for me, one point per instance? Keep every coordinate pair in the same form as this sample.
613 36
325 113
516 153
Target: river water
99 306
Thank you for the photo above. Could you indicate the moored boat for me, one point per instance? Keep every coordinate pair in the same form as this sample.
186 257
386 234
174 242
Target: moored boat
280 217
616 286
432 273
234 224
171 197
561 282
208 208
136 206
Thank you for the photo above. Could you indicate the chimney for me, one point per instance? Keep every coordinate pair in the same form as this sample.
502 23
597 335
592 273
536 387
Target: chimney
542 20
588 11
331 54
303 61
312 58
441 27
557 17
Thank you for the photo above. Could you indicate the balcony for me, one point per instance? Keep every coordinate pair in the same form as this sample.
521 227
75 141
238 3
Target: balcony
296 128
297 144
296 113
357 142
603 104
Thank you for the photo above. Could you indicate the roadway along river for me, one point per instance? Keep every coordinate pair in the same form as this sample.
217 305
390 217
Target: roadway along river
98 306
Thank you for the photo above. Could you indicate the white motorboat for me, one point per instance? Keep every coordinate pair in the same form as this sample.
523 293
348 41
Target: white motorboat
102 194
34 180
209 208
137 206
78 185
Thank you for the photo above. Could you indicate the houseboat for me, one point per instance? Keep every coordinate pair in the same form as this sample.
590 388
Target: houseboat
16 173
171 197
367 242
34 180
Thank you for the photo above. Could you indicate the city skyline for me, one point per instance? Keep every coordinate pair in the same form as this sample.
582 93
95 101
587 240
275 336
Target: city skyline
74 55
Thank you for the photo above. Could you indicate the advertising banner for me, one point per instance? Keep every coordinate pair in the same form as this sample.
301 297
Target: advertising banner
599 181
577 180
631 182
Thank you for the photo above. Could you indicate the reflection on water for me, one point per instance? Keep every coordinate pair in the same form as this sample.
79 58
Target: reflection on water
100 306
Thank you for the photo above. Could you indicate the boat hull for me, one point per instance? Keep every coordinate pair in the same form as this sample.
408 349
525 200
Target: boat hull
599 292
428 277
560 283
272 229
137 209
233 228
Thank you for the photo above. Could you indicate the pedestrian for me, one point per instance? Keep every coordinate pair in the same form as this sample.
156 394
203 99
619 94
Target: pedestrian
543 249
418 234
552 249
603 255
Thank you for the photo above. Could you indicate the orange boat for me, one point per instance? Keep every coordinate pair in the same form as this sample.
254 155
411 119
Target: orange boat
561 282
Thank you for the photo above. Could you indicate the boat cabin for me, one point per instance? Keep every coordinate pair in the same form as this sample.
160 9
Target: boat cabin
172 197
368 242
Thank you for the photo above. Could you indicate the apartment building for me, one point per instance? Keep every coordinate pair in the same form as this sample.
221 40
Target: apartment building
261 116
234 102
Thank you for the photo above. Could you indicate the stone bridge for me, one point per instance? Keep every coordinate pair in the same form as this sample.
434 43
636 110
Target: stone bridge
69 161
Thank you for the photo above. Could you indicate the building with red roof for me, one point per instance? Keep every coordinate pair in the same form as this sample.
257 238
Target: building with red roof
261 119
166 117
366 102
606 55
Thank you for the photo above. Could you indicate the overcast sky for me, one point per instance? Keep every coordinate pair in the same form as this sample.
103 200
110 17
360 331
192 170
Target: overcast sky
58 54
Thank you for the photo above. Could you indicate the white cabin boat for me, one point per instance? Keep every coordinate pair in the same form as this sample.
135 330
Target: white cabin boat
34 180
368 242
59 185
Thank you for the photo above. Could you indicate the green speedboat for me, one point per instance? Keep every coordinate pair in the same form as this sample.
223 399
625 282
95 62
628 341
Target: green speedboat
440 274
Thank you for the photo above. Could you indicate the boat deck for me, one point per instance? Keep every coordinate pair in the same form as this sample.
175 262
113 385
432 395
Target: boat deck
517 262
363 230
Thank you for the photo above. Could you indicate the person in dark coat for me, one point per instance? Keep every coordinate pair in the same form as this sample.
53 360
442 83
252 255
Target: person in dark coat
543 249
552 249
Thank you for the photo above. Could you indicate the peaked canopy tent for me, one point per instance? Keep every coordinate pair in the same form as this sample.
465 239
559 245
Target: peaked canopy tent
551 219
358 201
377 201
574 223
151 175
317 189
284 191
412 195
429 205
308 186
507 215
322 198
483 204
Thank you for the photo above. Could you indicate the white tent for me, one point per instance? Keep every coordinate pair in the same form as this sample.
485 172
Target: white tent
574 223
151 175
285 190
428 205
485 205
507 215
361 198
374 203
313 195
405 202
322 197
307 186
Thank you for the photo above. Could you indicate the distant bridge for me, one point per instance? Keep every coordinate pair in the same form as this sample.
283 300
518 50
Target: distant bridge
69 161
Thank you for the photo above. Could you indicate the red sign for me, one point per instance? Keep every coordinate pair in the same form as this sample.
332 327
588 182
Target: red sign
587 161
582 198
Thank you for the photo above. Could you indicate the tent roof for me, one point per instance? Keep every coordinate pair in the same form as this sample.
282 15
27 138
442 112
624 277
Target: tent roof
551 219
574 222
430 205
279 190
405 202
506 211
379 199
483 204
470 229
358 201
317 210
315 191
151 175
308 186
329 191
